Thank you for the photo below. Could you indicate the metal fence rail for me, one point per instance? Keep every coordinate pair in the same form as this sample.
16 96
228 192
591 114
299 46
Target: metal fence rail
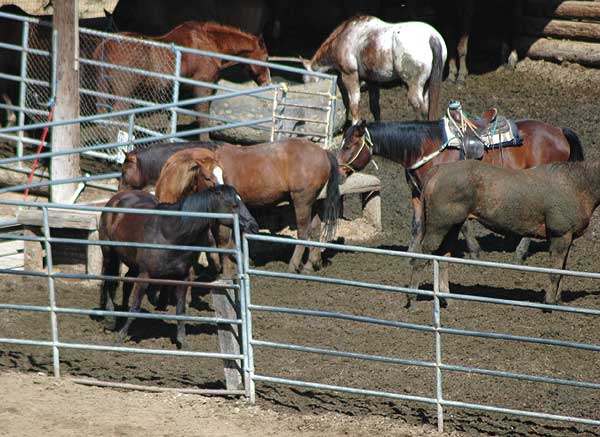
436 329
53 309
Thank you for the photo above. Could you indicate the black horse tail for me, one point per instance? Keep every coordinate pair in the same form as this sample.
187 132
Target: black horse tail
331 205
576 153
435 79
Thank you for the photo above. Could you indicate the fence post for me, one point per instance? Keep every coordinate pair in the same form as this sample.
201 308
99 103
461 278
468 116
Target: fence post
438 345
331 115
175 90
248 323
22 89
52 296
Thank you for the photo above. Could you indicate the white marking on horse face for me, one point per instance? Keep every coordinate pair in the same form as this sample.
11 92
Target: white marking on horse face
237 196
218 172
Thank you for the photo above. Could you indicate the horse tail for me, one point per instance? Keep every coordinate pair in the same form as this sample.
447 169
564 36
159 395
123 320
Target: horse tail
331 205
435 79
576 153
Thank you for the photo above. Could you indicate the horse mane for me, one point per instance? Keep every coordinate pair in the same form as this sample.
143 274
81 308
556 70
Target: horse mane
180 175
152 157
324 50
402 141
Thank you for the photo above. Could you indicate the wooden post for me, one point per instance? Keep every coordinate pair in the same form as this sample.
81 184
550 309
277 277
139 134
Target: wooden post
67 99
224 301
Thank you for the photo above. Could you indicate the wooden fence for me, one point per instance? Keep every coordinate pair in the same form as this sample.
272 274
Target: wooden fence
560 31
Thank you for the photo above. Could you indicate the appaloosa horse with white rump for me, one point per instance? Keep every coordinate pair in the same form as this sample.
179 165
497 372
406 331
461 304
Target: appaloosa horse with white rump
554 202
367 48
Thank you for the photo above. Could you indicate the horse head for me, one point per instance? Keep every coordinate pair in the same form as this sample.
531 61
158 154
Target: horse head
229 201
182 176
356 149
308 78
131 174
261 75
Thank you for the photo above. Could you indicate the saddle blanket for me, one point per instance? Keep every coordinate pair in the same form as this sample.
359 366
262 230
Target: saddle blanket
504 133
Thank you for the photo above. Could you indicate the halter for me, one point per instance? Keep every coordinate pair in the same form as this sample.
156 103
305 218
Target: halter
365 141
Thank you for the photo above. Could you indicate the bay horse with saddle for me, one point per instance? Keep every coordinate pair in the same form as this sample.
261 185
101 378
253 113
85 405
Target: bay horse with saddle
293 170
554 202
172 264
209 36
418 146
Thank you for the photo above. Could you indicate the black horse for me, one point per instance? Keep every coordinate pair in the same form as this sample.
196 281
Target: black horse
161 229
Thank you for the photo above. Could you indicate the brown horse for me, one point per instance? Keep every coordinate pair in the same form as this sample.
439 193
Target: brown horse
293 170
185 175
553 202
161 229
210 37
418 146
367 48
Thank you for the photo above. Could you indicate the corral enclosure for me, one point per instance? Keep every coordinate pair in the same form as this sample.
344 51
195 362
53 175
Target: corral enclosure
565 95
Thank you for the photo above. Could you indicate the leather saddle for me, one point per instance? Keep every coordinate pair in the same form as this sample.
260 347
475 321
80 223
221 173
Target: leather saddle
480 134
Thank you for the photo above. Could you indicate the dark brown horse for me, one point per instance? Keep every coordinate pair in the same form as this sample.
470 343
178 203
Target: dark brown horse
210 37
157 229
418 146
293 170
142 166
553 202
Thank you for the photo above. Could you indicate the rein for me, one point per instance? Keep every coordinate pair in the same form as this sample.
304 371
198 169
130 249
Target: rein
365 141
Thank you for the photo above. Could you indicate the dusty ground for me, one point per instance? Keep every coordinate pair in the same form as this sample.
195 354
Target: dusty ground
564 95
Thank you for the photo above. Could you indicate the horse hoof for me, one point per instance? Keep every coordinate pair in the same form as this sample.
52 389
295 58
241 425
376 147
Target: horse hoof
308 270
411 306
110 324
182 344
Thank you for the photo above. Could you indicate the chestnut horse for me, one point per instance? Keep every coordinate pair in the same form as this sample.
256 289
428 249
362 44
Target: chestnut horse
553 202
418 146
266 174
210 37
161 229
143 164
184 175
367 48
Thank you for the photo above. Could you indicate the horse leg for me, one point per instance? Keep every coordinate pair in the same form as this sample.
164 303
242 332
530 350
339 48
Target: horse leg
415 230
374 101
352 83
180 311
417 100
461 48
472 244
314 254
448 245
522 250
110 267
202 108
559 252
302 209
139 289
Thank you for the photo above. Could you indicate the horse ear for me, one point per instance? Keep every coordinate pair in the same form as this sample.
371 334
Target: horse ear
131 157
362 126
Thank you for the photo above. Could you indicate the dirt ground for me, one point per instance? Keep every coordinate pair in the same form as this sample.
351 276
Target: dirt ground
565 95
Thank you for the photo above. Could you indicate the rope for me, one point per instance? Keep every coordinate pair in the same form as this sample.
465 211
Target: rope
39 148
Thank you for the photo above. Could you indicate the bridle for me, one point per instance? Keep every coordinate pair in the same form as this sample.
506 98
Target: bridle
365 141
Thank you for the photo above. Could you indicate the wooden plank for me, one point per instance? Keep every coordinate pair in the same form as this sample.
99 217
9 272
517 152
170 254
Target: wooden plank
14 262
67 101
355 184
561 28
10 178
87 220
563 9
229 336
585 53
9 247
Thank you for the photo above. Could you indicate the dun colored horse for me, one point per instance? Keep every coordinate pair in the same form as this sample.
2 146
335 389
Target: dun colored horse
418 146
367 48
142 166
210 37
157 229
293 170
553 202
